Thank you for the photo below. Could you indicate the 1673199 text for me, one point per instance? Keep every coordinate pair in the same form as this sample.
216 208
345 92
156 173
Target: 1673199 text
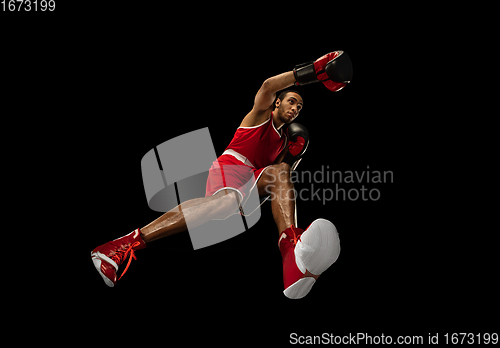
28 5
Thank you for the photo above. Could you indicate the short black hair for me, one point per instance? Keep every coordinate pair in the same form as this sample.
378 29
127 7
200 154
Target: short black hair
283 94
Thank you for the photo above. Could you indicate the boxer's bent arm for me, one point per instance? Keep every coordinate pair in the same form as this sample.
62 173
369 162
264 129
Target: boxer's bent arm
267 92
264 99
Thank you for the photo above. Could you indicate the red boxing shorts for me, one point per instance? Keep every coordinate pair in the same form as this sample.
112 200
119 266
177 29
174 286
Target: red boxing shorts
228 172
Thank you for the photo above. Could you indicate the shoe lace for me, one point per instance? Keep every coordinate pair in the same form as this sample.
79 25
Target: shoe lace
120 255
295 236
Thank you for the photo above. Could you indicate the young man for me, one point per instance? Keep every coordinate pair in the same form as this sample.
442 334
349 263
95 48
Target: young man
259 148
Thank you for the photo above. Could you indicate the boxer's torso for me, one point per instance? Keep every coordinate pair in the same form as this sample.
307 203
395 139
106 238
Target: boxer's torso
260 144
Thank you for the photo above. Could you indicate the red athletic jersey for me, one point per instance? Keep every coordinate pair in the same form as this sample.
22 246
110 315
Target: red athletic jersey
259 144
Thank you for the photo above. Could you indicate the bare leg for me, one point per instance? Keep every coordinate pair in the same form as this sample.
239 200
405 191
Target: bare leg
198 211
276 182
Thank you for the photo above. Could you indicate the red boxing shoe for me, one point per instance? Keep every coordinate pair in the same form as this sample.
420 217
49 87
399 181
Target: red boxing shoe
307 254
108 257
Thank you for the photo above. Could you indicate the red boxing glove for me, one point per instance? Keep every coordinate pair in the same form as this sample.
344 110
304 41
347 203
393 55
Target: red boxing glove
320 66
298 140
295 147
334 70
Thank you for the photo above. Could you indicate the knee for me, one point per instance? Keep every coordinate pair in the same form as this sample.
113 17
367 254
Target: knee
282 167
282 171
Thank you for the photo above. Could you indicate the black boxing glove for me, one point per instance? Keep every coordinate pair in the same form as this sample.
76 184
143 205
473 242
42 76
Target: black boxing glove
298 140
334 70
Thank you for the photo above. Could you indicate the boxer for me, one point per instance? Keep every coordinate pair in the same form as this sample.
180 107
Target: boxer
260 148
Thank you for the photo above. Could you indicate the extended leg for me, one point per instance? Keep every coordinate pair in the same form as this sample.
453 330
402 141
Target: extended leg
107 258
198 211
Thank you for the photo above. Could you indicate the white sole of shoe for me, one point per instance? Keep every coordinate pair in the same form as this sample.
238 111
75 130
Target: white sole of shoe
300 288
97 260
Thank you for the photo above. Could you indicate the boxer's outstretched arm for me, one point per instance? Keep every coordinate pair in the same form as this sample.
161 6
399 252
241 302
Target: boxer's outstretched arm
263 103
267 93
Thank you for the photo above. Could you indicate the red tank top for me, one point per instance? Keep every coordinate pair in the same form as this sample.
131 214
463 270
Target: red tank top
259 144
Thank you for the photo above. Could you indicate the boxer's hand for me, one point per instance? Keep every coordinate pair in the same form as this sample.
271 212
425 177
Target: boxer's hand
296 146
298 140
334 70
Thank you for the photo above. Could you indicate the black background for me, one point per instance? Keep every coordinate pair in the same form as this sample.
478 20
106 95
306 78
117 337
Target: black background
397 272
119 88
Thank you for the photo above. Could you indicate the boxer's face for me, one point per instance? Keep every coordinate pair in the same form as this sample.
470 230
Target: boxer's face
289 107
